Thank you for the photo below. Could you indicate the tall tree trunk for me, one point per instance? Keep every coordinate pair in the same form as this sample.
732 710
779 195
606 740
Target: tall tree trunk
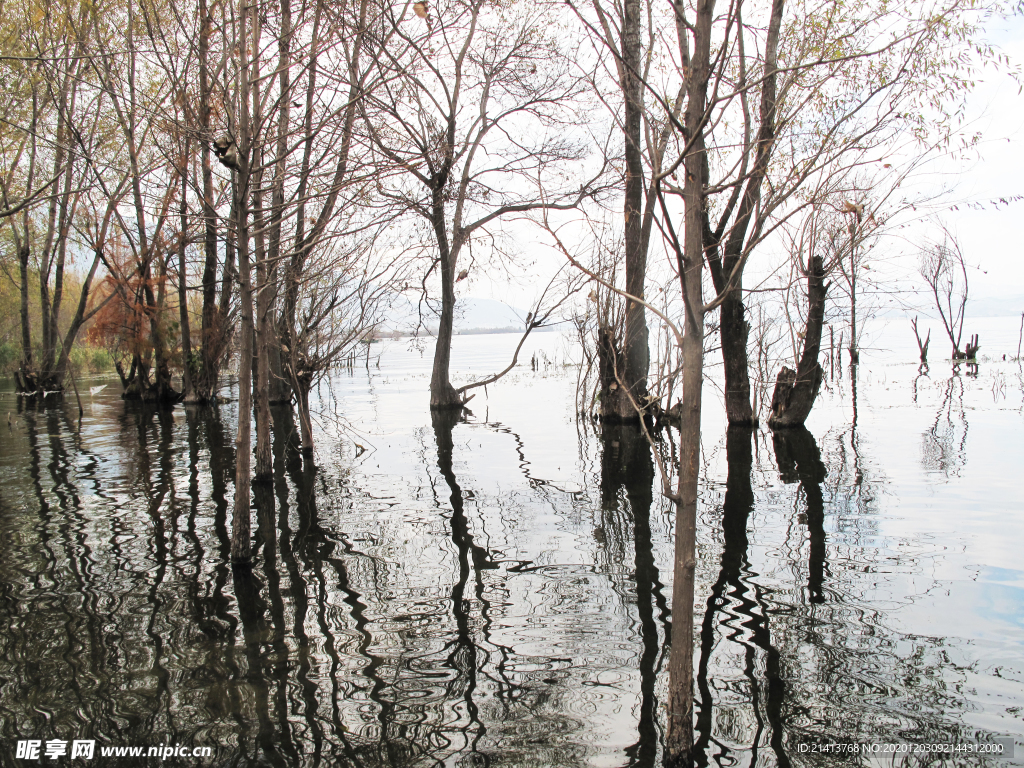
265 339
624 388
796 391
56 217
241 547
727 274
854 348
264 329
679 738
213 330
279 390
27 374
186 331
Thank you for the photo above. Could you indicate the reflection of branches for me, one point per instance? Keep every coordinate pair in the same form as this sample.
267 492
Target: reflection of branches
944 445
626 464
746 607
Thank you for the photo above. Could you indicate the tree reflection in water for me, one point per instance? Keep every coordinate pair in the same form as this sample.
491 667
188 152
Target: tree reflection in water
736 607
944 445
464 609
626 466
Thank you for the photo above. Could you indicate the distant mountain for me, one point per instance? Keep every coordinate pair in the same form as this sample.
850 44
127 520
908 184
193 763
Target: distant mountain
471 314
1003 306
1000 306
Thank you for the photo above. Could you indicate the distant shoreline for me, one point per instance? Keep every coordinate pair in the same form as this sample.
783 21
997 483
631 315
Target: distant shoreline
432 333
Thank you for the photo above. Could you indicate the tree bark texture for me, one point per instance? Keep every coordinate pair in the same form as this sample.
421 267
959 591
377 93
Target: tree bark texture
679 736
637 351
727 269
442 393
241 547
796 391
624 372
213 322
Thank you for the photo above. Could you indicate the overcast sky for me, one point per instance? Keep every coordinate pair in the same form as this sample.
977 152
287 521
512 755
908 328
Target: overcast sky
992 236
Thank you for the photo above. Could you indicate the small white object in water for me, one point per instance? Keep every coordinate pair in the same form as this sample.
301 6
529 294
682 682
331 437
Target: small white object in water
95 390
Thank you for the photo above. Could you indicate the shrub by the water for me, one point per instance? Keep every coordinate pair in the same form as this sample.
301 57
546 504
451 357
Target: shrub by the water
10 354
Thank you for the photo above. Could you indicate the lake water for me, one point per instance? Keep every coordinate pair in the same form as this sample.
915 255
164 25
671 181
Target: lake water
496 591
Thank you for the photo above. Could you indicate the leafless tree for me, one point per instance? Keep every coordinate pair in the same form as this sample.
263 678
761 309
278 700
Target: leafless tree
474 107
945 272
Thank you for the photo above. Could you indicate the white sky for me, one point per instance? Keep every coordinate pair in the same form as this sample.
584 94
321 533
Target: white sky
991 236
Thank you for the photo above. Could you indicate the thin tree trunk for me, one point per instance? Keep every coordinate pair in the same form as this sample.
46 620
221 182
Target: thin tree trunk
302 387
186 332
854 351
213 331
26 329
77 321
241 551
264 330
679 738
279 390
728 278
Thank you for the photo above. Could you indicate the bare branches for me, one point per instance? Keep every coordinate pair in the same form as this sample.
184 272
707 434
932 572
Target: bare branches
945 272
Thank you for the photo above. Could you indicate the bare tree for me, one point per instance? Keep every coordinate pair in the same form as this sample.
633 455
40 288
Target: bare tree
813 98
945 272
456 82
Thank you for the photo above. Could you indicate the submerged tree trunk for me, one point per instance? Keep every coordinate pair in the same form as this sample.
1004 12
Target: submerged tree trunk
624 372
442 393
204 380
796 391
241 548
679 736
186 331
728 273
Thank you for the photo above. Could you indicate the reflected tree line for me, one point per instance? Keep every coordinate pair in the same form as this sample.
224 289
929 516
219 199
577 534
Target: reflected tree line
326 652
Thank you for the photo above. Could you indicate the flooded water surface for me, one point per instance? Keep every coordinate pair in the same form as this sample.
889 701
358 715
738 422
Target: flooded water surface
494 590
